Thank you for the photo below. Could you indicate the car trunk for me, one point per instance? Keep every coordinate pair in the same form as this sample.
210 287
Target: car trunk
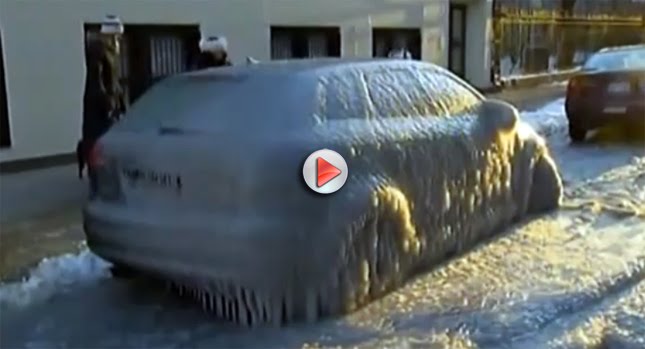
173 170
196 143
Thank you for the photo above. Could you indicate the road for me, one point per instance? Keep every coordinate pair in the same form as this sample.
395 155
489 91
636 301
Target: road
571 279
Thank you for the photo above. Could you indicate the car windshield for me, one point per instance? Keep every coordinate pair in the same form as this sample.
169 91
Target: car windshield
214 103
623 59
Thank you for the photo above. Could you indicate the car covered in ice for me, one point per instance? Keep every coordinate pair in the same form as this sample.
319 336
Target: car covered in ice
201 182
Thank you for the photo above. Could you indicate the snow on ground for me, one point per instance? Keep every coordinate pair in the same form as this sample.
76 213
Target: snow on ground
53 275
571 279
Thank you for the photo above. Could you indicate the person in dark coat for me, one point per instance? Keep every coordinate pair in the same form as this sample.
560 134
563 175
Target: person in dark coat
103 97
214 52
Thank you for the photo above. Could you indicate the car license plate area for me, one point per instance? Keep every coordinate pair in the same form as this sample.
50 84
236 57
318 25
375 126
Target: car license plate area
151 185
615 110
619 88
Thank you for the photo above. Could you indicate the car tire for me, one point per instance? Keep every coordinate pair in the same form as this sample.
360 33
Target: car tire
120 271
576 134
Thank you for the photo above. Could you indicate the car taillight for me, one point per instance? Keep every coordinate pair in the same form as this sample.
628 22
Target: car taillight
573 87
95 156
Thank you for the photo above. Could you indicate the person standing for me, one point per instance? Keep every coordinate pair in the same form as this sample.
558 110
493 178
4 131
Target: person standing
103 97
213 52
399 50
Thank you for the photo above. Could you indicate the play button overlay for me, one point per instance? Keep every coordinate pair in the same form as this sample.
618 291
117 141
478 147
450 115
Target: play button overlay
325 171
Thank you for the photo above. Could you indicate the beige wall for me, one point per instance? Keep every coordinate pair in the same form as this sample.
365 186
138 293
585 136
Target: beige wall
43 47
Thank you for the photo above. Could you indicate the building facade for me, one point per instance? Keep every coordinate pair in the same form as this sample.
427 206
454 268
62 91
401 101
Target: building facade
42 48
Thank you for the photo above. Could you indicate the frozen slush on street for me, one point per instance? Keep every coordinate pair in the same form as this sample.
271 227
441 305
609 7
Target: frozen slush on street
183 192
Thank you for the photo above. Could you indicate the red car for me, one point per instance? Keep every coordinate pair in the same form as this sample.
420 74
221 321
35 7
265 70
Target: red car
609 89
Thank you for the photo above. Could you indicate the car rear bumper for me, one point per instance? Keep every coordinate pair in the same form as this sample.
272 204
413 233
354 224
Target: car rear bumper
585 114
195 247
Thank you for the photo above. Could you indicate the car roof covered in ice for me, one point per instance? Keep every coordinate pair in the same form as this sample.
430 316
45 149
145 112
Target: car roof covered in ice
310 67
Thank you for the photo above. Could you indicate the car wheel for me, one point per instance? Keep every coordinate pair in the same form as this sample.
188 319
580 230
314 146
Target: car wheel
120 271
546 187
577 134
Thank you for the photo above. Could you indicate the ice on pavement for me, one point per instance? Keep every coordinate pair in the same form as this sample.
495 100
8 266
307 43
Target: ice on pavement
53 275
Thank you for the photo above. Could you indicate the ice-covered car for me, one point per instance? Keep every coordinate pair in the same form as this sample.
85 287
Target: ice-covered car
201 182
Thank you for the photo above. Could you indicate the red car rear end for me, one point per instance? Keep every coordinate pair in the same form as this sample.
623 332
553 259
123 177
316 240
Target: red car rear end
609 90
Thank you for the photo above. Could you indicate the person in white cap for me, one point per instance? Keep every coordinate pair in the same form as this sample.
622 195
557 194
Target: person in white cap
103 96
214 52
399 51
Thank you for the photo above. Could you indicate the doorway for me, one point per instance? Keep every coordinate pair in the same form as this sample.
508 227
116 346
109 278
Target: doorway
5 129
457 40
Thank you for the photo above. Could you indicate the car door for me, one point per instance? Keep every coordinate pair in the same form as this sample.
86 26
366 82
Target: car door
407 102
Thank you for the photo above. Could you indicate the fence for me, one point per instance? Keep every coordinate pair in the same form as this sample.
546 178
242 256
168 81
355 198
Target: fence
529 42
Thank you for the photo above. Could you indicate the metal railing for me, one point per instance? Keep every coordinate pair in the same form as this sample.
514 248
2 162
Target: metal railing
529 43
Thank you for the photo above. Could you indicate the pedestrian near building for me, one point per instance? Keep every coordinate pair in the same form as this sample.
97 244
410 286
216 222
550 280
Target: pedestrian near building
213 52
399 50
103 101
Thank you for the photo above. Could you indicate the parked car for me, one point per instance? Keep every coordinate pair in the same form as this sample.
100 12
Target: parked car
610 89
200 183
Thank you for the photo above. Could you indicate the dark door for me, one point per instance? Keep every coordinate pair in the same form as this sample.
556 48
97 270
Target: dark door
457 40
5 132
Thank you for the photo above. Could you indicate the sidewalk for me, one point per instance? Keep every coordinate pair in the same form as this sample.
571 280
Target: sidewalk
25 196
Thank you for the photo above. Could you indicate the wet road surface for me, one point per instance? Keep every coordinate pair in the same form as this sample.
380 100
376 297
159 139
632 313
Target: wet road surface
571 279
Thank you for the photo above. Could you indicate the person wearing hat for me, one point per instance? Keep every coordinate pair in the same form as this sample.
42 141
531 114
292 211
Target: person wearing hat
399 51
103 97
213 52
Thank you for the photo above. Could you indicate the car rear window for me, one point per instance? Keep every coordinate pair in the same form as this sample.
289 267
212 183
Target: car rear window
207 102
625 59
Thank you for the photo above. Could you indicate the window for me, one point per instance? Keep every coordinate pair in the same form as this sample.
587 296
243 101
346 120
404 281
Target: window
405 93
384 40
5 132
341 97
620 59
149 53
213 103
304 42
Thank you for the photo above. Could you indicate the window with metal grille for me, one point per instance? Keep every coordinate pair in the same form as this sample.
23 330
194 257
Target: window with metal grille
166 56
386 39
305 42
5 131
